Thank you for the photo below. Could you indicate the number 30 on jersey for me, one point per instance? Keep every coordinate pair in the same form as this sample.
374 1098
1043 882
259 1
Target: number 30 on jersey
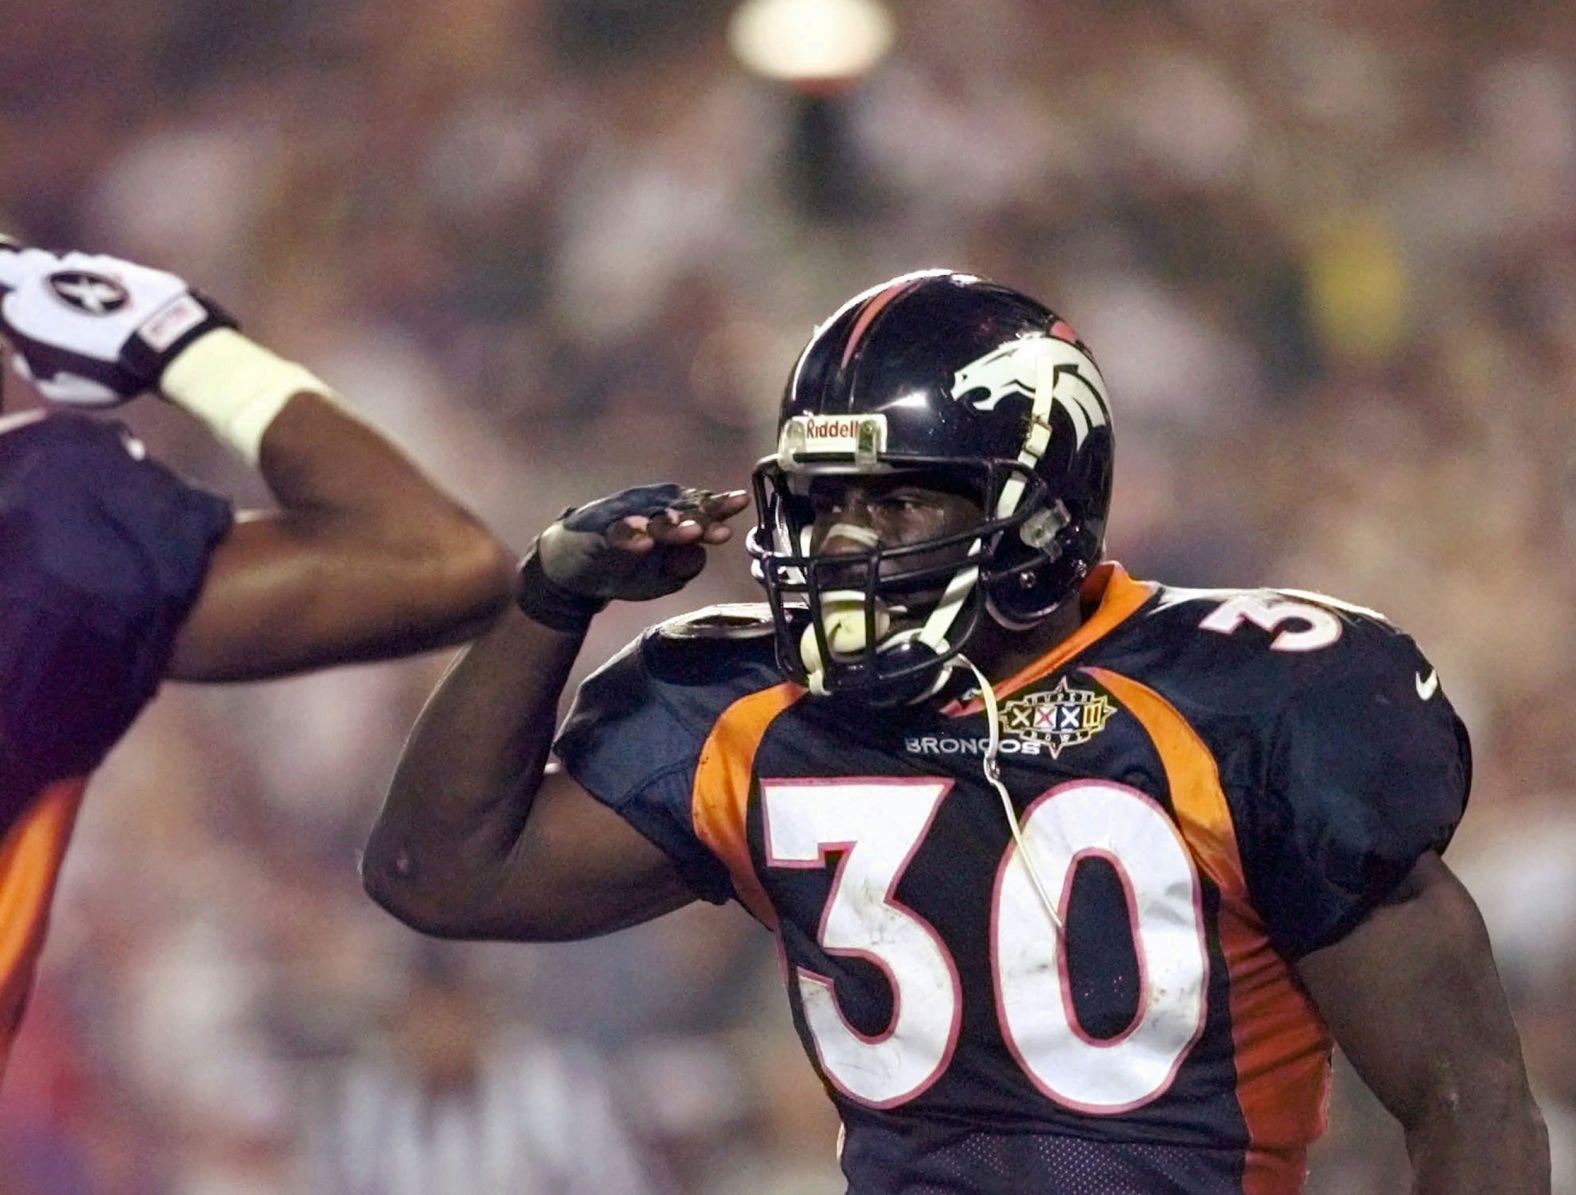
878 824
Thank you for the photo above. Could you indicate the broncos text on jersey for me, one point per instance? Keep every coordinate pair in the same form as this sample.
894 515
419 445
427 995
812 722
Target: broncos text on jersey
1210 784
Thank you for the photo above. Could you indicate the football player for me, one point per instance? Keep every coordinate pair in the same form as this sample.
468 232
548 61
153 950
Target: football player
115 574
1077 877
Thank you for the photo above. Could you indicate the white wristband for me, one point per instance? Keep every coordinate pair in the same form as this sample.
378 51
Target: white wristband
236 387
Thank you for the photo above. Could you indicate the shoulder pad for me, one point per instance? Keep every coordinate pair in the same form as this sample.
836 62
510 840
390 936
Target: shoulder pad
718 645
1263 653
1174 595
1293 620
1334 603
728 620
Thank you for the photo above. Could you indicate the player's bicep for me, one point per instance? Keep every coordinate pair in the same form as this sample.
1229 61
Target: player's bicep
283 592
1413 997
577 869
248 618
296 590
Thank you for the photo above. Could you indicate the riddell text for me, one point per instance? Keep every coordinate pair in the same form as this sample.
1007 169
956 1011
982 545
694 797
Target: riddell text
835 429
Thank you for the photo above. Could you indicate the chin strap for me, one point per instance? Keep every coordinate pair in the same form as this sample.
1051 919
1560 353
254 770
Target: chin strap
843 622
992 769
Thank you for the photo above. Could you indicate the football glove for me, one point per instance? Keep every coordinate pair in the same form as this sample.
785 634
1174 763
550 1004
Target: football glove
90 330
591 556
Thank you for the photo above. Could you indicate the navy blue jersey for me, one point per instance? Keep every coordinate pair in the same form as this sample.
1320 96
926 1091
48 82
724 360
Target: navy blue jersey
1209 785
102 554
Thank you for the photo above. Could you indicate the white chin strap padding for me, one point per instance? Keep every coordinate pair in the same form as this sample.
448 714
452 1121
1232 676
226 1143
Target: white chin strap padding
842 611
843 620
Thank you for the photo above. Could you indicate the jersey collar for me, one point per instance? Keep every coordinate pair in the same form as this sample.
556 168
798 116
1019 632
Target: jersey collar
1119 597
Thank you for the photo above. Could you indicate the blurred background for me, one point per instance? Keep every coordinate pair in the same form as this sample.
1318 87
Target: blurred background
1325 250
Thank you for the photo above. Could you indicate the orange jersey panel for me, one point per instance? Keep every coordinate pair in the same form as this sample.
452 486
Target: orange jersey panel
1282 1045
30 858
723 779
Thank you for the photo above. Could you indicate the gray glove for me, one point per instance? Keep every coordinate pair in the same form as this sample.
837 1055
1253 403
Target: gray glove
620 547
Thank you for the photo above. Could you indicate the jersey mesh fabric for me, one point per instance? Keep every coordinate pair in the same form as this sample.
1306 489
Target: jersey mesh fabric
984 1163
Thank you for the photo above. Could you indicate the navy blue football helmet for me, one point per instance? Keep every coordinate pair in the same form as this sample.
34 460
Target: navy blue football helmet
973 386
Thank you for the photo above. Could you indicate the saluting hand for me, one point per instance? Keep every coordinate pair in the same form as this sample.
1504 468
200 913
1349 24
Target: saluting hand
641 543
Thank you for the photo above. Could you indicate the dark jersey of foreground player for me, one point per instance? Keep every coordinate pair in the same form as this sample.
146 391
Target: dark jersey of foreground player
1212 784
102 554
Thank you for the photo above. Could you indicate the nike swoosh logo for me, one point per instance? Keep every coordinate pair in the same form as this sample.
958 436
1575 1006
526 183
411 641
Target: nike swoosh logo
1427 688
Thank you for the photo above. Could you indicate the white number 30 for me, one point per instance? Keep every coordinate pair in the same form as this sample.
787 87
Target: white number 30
879 824
1320 627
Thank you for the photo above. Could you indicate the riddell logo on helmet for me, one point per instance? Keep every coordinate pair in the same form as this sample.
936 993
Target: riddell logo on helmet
861 437
833 428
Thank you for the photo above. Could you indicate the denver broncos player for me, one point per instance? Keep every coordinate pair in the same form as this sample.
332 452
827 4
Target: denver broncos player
115 574
1076 876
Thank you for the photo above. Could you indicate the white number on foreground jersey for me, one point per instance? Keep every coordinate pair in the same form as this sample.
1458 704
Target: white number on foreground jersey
878 824
1320 628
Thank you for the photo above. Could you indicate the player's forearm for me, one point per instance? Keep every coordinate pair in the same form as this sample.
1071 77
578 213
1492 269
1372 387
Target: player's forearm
296 591
1486 1137
465 783
366 559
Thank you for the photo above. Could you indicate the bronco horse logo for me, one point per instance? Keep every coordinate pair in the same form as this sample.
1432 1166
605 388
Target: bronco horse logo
1040 360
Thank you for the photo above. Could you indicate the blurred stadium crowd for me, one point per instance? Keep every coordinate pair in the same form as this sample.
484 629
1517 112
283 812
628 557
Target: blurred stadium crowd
1325 251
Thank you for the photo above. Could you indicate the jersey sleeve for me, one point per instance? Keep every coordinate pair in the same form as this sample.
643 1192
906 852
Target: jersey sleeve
1368 768
632 741
102 555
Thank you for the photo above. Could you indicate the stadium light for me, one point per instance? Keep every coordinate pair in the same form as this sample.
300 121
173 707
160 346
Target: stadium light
811 44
